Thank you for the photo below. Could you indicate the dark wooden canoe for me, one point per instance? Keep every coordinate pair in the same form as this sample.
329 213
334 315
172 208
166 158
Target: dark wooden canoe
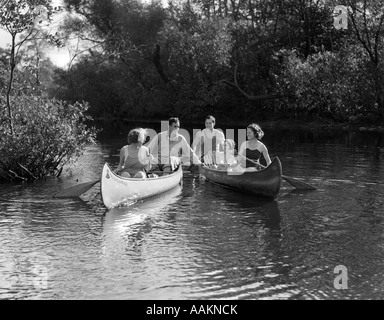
265 183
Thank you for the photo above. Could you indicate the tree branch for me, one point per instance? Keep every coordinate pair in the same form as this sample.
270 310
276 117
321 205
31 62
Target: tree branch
360 38
158 65
377 38
235 84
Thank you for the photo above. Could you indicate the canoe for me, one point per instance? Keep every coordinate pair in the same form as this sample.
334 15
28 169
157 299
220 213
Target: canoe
264 183
117 190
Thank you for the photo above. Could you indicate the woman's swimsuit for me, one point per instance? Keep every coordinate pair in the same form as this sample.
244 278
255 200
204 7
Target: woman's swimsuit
132 164
253 155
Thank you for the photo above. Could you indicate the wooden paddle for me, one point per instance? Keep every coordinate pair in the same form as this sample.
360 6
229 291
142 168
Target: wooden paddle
75 191
294 182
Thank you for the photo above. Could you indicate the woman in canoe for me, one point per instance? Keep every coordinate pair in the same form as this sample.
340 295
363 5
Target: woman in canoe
207 141
135 158
253 148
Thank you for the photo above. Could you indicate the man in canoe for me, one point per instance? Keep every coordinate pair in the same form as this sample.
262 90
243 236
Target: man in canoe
172 148
207 141
135 158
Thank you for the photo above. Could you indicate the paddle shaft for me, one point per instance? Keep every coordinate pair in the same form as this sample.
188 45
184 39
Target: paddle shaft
77 190
292 181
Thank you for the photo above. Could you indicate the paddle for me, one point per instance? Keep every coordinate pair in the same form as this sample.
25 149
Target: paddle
75 191
294 182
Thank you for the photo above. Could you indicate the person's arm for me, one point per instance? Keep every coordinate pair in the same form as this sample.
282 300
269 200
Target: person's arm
241 154
145 157
265 153
196 141
187 152
121 161
153 145
219 138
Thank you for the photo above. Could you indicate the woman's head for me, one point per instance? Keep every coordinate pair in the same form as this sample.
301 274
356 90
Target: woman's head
137 135
254 131
210 122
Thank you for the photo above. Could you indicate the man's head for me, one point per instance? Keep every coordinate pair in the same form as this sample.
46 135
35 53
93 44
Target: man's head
174 124
210 122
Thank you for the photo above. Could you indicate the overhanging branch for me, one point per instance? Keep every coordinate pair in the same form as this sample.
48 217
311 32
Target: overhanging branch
250 97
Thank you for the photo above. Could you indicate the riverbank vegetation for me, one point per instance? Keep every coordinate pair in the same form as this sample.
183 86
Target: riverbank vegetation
47 135
272 59
264 60
269 59
39 135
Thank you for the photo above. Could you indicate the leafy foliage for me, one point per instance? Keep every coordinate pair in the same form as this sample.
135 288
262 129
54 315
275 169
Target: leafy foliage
196 55
201 56
332 85
49 134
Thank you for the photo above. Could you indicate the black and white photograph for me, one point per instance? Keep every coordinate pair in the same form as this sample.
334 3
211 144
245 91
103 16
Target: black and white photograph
190 155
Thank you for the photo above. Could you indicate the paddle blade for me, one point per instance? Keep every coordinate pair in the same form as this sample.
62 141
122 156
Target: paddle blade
75 191
298 184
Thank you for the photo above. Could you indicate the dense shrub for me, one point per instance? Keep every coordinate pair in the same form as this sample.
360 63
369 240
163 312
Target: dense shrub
332 85
48 134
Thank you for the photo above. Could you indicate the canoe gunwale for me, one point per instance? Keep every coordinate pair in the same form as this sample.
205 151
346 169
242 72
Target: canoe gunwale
249 182
145 179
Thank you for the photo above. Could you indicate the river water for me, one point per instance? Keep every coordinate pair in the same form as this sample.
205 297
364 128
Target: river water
201 241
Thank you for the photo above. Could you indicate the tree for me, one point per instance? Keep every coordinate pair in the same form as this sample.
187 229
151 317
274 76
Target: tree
367 19
19 18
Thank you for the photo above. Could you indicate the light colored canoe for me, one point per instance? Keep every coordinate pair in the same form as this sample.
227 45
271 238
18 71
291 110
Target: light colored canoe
117 190
265 183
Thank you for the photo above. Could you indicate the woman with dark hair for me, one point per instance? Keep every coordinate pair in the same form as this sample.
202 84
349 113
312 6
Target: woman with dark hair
253 148
134 157
207 141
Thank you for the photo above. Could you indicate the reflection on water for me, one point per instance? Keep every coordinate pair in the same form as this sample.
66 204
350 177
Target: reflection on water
201 241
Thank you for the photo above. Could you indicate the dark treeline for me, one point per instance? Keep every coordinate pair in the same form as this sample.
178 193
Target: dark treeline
275 59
